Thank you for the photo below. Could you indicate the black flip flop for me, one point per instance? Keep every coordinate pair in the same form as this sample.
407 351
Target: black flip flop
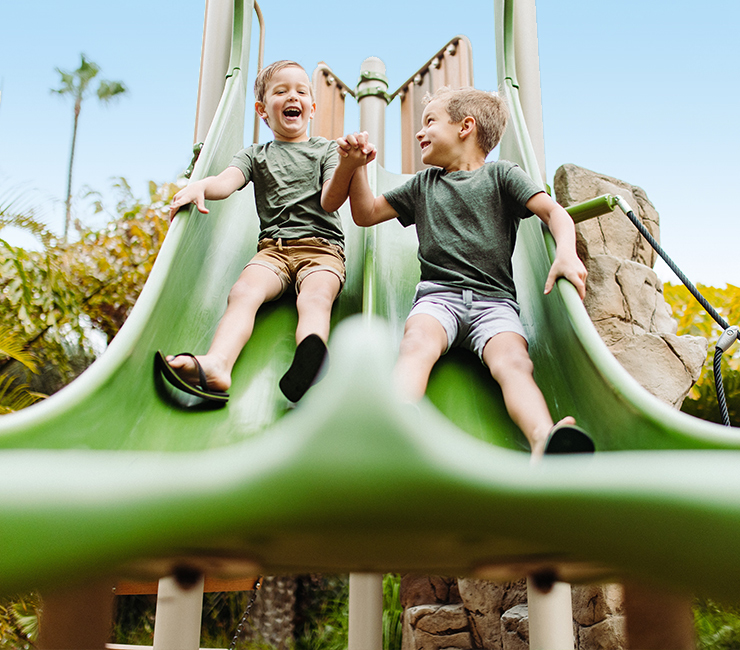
569 439
201 390
307 361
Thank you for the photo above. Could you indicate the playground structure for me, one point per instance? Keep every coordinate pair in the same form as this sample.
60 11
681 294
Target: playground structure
117 476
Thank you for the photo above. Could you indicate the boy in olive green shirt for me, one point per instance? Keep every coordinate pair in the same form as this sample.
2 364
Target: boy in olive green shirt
299 184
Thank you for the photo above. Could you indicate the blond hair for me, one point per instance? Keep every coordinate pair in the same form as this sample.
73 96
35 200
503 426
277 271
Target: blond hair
263 78
488 109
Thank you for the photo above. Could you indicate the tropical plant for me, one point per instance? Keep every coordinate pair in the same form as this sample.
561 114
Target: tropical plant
693 319
19 622
323 613
76 84
14 395
54 300
392 612
717 626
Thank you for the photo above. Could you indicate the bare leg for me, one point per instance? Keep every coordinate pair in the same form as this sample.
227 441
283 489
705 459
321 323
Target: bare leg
508 360
424 341
255 286
314 302
315 299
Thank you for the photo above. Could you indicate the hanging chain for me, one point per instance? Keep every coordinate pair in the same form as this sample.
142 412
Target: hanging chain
245 616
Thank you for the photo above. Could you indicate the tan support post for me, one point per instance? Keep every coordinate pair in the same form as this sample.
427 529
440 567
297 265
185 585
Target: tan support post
365 611
76 618
178 617
550 616
329 91
658 620
451 66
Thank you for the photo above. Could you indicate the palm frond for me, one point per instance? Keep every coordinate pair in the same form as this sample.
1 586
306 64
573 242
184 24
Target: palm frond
11 346
15 396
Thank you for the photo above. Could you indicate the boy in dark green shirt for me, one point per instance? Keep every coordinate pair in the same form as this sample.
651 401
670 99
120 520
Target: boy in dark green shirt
466 213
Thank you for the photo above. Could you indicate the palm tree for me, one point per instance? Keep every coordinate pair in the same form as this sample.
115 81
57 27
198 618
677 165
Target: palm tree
77 84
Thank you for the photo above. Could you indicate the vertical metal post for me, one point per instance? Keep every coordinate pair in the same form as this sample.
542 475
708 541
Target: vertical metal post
214 62
550 617
528 74
365 611
178 617
372 96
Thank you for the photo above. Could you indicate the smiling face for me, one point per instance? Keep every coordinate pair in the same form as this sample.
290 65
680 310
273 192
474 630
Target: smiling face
288 104
439 137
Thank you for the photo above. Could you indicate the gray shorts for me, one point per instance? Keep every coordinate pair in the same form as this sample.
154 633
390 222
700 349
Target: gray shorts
469 319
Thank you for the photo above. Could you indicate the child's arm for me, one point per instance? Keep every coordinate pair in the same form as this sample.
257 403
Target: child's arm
367 209
212 188
567 264
354 150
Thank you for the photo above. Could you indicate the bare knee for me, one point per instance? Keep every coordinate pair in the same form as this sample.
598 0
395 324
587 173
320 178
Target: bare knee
507 360
315 300
244 292
423 343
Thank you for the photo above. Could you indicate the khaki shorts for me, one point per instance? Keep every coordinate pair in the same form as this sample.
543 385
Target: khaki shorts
295 259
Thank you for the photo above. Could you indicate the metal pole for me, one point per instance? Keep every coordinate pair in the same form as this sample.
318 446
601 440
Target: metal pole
527 56
365 611
178 617
214 62
372 96
550 617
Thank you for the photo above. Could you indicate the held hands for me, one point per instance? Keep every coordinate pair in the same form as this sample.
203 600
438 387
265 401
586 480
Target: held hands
356 149
571 268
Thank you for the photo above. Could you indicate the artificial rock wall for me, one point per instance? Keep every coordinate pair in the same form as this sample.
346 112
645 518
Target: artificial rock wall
624 296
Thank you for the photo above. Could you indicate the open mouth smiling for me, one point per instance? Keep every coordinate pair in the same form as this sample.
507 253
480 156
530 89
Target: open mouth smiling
292 112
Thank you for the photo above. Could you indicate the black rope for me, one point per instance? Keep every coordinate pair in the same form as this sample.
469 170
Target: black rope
721 401
245 616
687 283
718 351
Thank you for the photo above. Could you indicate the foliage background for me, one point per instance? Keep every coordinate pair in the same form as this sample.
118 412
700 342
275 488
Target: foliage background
61 304
692 319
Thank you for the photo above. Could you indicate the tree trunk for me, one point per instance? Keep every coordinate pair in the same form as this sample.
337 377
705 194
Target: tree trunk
68 214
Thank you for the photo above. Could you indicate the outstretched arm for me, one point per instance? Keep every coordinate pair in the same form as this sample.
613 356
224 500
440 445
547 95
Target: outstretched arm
355 150
567 264
367 209
212 188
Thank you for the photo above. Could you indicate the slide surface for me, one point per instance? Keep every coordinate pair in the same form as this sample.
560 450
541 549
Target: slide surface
116 475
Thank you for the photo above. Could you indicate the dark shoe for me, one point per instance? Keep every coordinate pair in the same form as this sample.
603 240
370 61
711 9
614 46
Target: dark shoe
307 361
569 439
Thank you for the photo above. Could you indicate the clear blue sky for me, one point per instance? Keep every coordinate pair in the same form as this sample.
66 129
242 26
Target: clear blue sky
646 91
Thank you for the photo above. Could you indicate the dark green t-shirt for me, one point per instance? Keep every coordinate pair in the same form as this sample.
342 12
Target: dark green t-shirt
288 177
467 222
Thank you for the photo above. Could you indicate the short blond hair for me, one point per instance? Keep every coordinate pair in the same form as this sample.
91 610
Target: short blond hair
267 73
488 109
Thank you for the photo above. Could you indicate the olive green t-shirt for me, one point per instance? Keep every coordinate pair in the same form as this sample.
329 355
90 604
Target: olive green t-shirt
466 222
288 177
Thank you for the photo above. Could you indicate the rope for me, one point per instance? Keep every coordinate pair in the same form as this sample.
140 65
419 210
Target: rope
245 616
687 283
730 334
720 387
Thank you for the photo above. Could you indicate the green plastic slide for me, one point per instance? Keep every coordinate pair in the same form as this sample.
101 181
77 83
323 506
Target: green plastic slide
116 475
